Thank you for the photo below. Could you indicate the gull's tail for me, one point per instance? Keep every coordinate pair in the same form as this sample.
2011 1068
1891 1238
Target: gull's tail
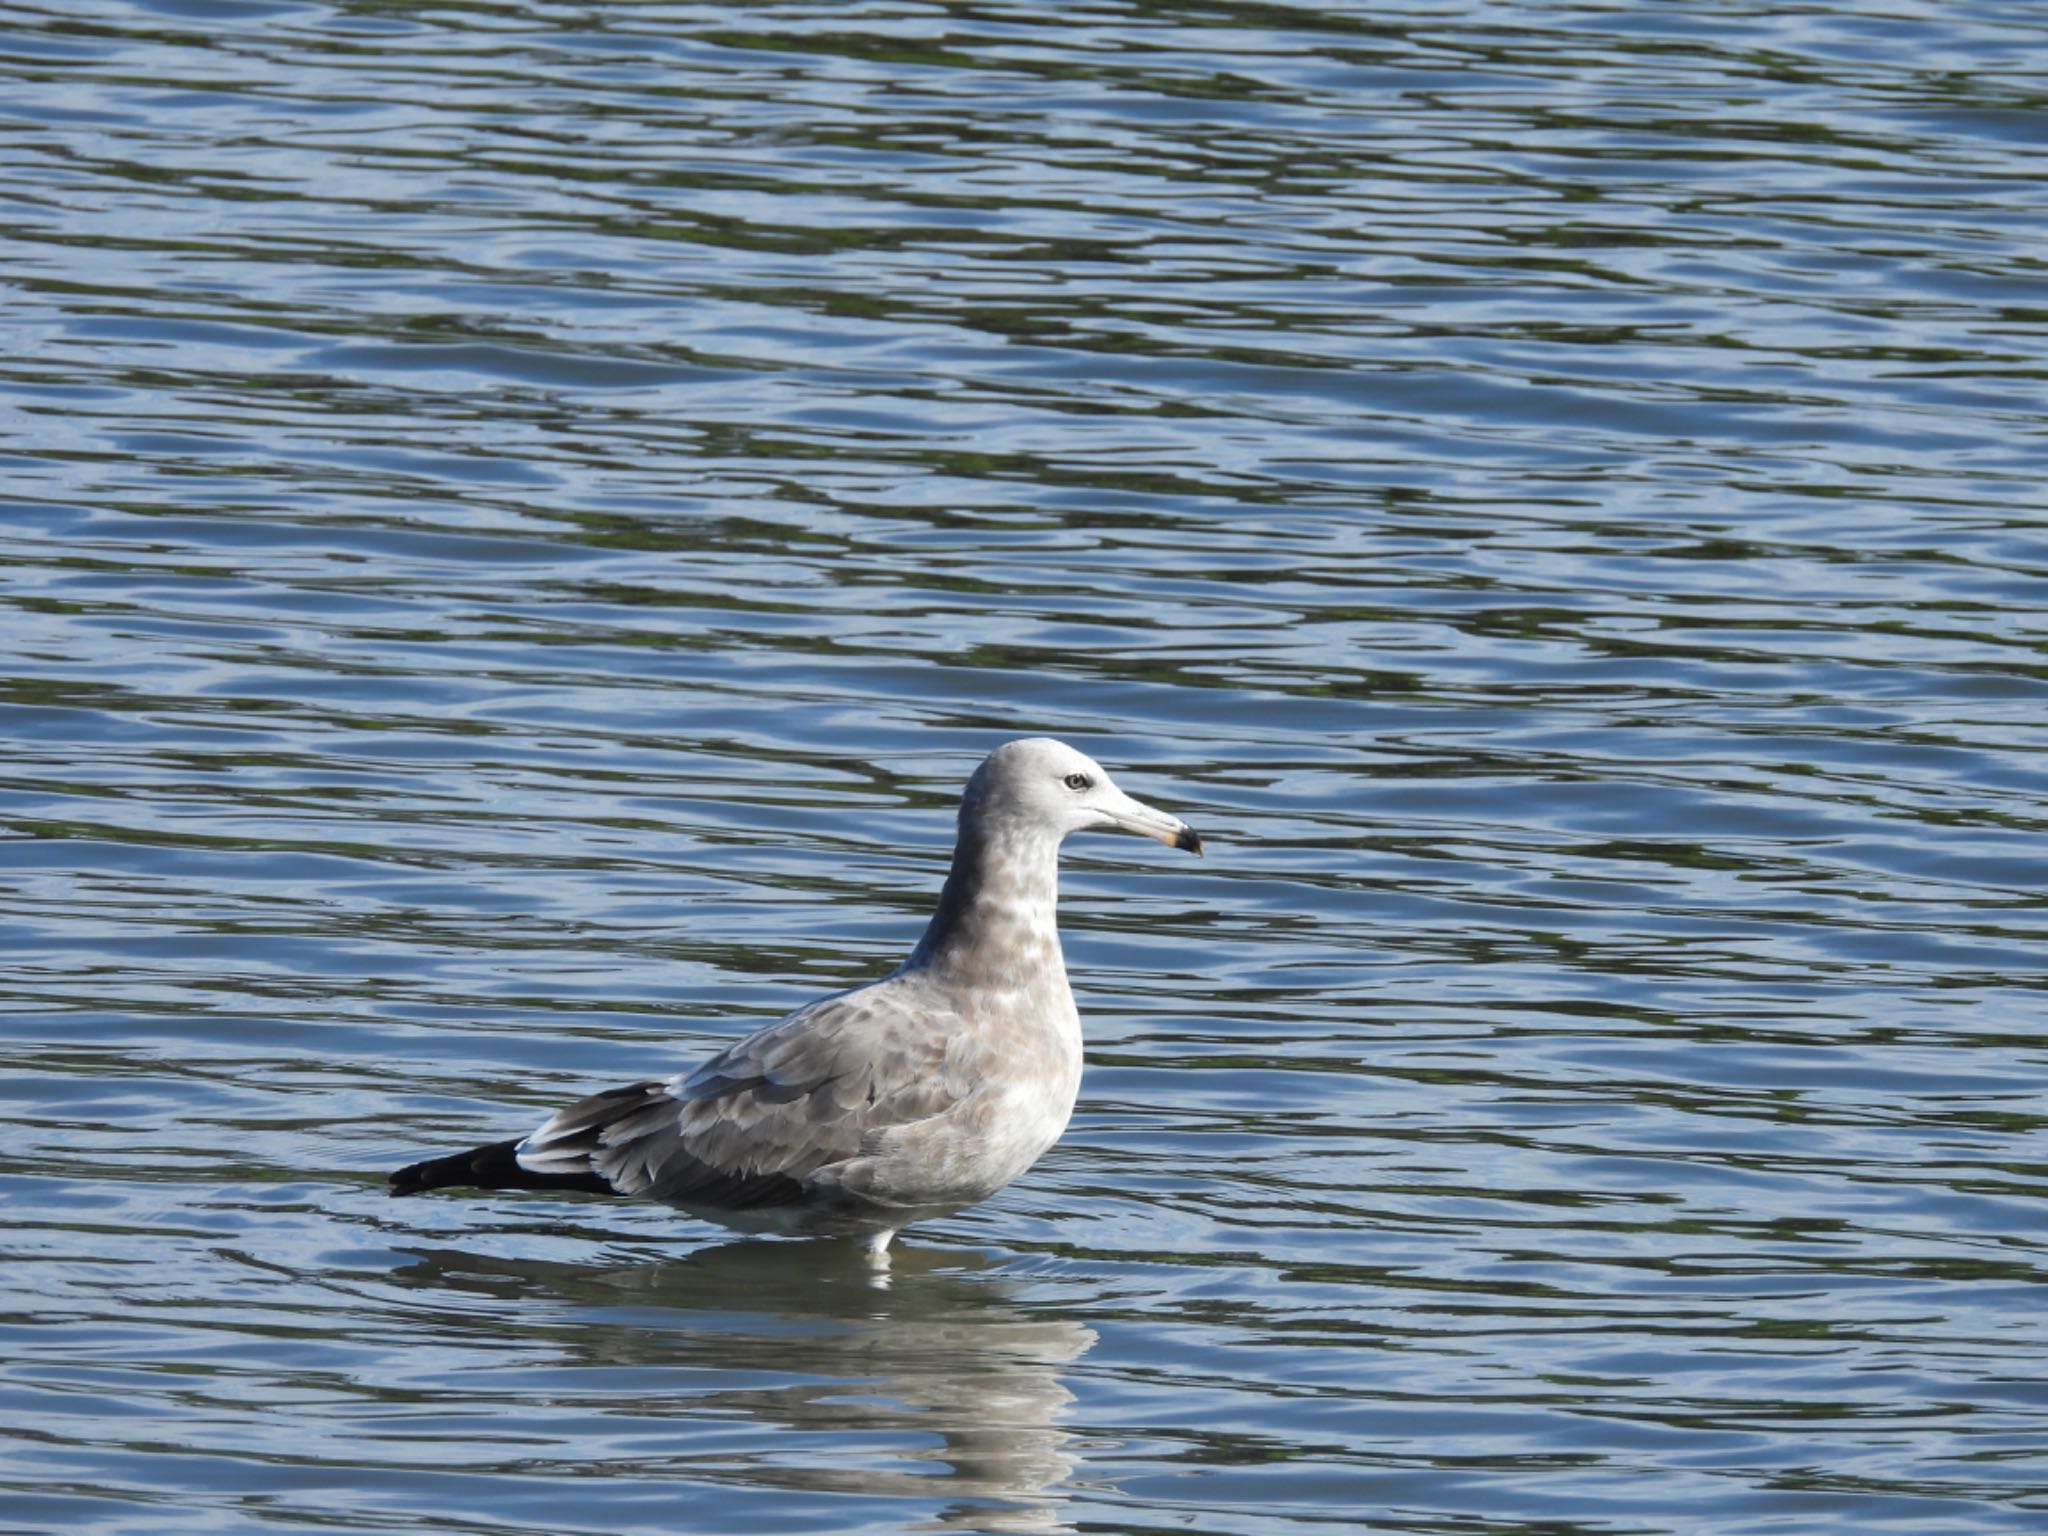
492 1167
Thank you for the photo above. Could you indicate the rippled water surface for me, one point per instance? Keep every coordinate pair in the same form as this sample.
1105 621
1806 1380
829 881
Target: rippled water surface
518 519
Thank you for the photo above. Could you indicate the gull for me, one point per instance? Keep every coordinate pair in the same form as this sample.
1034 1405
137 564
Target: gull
901 1100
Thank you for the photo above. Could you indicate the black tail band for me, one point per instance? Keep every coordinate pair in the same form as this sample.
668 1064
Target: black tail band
492 1167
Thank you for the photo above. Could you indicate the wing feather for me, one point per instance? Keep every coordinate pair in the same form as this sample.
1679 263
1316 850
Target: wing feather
776 1119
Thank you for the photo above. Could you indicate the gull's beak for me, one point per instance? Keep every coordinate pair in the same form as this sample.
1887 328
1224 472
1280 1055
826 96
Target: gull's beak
1136 816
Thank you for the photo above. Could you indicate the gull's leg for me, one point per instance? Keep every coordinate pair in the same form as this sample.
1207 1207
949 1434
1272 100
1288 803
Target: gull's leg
876 1246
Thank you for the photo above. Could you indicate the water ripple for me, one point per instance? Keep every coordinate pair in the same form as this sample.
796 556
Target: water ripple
518 518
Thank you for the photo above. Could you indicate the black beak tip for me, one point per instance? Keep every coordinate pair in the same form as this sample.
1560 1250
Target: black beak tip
1189 839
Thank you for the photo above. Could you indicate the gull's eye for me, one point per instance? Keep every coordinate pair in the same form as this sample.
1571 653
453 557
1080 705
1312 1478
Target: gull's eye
1077 781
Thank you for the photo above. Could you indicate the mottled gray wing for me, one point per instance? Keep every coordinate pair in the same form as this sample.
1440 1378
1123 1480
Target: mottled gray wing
766 1120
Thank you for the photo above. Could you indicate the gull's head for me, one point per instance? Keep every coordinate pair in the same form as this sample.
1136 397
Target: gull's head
1041 785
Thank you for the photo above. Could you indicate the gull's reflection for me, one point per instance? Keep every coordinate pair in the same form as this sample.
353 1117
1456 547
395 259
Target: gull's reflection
933 1356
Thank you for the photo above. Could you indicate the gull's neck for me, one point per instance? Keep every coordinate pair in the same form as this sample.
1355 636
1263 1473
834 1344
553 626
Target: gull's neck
996 925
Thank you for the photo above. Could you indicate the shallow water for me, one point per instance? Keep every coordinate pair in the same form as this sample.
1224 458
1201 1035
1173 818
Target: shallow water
518 519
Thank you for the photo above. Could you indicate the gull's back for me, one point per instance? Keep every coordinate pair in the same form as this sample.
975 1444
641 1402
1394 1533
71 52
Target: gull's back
863 1111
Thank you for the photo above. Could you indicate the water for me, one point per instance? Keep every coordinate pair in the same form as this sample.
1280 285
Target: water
518 519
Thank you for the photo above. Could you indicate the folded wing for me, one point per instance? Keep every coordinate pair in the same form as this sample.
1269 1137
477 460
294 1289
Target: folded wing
778 1119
